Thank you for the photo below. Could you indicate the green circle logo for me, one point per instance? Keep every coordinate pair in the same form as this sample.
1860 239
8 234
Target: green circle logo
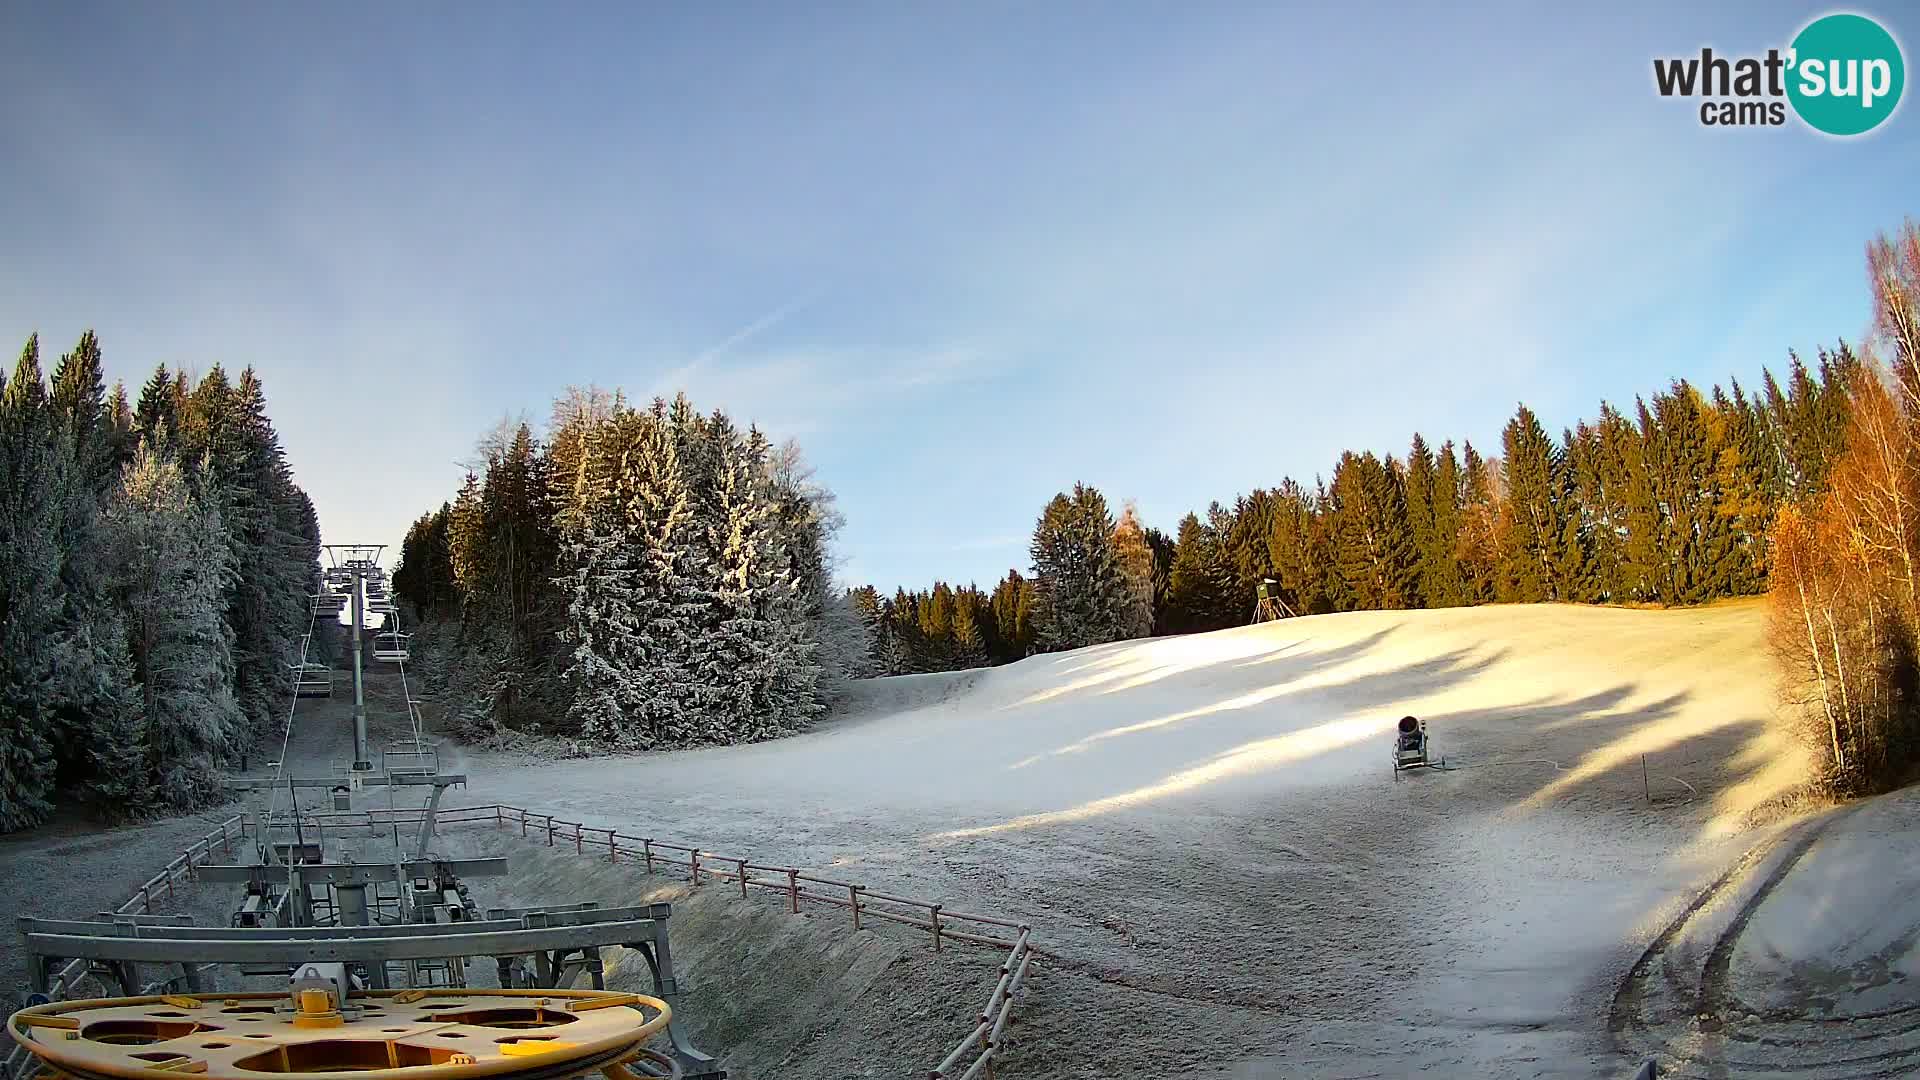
1846 74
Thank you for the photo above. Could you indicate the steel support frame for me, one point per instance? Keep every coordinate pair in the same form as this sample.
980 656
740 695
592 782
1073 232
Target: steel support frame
342 875
562 943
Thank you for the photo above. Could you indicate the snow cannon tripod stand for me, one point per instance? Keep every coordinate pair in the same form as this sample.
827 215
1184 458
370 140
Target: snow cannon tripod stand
1410 747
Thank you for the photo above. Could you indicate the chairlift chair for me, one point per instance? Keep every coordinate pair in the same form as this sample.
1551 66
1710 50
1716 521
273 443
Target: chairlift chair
390 646
411 755
311 680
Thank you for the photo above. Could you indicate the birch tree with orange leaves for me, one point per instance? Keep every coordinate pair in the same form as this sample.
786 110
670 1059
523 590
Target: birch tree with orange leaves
1845 584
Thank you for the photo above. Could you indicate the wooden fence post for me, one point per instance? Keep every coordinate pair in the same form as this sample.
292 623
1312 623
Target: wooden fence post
740 866
646 847
613 849
549 830
853 893
933 918
693 860
793 891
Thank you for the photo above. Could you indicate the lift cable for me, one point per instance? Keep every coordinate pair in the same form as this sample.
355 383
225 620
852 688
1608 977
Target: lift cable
286 737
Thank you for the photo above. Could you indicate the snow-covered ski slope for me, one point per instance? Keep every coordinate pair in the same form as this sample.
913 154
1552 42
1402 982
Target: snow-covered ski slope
1289 706
1208 830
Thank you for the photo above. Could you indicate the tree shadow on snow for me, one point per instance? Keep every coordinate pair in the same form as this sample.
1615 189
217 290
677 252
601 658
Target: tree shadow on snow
1283 725
1131 665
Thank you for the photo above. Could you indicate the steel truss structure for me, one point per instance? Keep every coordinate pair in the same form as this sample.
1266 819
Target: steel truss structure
533 949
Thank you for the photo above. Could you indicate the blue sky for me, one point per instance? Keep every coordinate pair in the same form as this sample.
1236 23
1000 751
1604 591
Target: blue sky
966 253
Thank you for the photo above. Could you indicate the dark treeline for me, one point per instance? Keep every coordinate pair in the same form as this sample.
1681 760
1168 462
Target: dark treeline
155 563
643 577
1668 502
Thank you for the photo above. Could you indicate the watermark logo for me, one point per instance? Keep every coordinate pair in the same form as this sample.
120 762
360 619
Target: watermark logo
1842 75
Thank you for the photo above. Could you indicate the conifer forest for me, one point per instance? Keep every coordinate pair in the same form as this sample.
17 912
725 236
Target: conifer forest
155 561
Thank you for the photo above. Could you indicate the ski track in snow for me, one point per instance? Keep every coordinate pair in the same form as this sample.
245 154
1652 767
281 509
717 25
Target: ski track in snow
1207 830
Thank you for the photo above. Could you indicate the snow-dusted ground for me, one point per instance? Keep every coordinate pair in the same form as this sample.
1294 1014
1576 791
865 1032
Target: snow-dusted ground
1208 828
1208 832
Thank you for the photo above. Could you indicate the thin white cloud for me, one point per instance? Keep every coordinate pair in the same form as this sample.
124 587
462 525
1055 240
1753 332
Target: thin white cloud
752 330
799 391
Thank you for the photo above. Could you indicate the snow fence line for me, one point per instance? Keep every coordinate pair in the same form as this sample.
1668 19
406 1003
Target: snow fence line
702 866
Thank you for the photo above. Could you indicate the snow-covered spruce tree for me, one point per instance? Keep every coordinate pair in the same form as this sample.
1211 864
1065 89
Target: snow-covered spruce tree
601 556
675 607
1136 563
697 442
31 510
169 566
765 648
810 521
90 695
865 609
639 598
1080 589
267 605
111 745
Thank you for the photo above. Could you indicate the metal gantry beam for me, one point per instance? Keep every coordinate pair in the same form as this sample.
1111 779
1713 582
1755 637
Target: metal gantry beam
350 875
391 778
353 944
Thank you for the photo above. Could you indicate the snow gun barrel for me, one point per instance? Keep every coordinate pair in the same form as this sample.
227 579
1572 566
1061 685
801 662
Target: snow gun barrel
1409 724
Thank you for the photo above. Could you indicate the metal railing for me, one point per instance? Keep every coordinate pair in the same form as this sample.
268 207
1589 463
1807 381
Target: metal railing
701 866
19 1064
977 1050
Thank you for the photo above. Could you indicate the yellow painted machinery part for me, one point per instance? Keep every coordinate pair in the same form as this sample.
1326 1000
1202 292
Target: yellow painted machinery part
625 1041
534 1048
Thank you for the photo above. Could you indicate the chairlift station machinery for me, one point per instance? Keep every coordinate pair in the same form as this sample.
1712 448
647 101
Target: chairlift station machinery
368 964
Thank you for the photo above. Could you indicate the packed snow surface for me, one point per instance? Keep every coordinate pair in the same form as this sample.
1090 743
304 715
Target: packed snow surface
1208 833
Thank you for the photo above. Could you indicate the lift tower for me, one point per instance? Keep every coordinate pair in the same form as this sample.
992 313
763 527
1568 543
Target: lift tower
359 562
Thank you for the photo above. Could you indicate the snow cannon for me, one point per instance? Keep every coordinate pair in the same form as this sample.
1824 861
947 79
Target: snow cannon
1410 746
